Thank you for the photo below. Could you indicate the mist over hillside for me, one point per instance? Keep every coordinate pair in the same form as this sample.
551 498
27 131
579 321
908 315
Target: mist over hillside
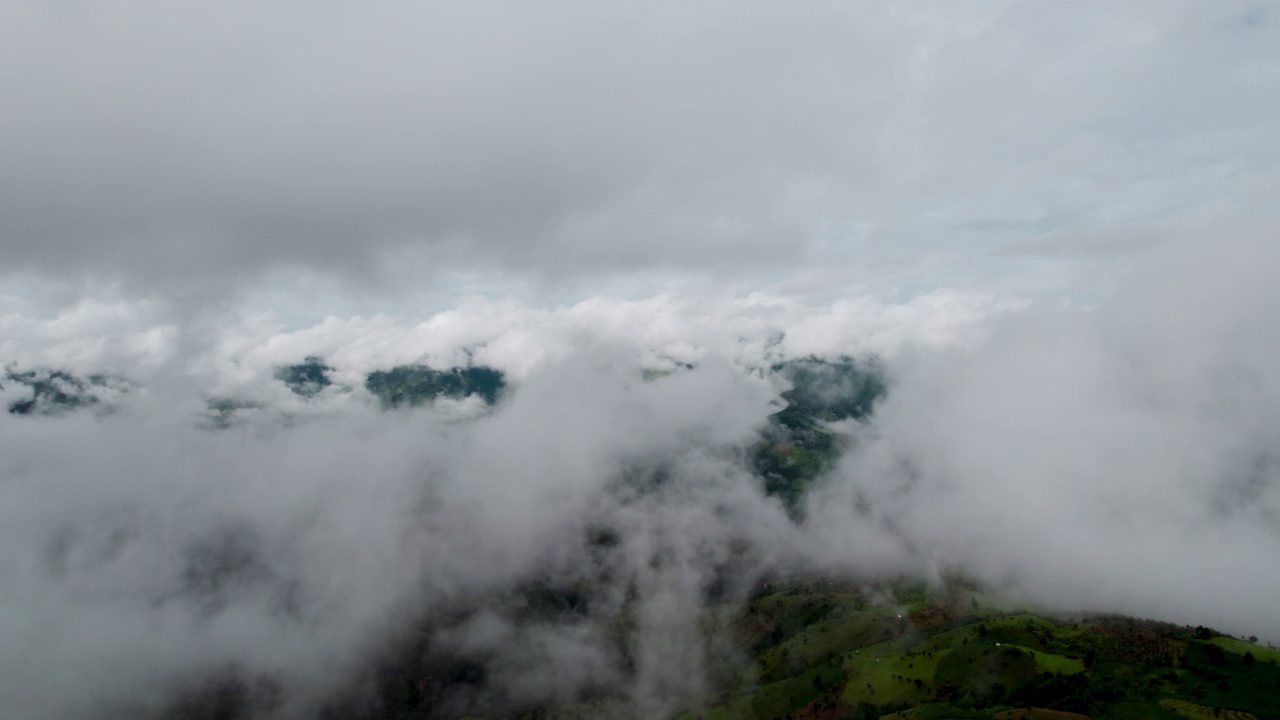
1118 458
512 360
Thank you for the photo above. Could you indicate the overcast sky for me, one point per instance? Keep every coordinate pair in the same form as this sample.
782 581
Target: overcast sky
940 142
1055 223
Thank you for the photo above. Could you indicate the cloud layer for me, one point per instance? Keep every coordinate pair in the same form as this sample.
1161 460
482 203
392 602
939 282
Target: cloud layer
169 145
1122 456
1116 458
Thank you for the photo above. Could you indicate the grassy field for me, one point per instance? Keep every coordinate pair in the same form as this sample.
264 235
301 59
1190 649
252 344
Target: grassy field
1204 712
907 652
1240 647
824 649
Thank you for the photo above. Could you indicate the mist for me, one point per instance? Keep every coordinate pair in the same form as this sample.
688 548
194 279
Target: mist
1119 457
1113 458
1051 232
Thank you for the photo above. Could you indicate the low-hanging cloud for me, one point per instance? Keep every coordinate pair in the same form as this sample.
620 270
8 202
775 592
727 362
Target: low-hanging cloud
1121 457
1112 458
145 556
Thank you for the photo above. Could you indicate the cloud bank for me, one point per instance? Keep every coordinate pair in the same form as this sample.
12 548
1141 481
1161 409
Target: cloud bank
1122 456
1117 458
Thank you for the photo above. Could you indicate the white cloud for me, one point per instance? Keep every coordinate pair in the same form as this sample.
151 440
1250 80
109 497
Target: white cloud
1121 457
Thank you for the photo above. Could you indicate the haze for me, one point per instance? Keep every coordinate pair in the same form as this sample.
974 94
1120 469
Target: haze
1054 227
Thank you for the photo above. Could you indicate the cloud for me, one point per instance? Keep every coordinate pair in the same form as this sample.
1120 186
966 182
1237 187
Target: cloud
1119 457
573 194
144 555
150 556
172 146
90 335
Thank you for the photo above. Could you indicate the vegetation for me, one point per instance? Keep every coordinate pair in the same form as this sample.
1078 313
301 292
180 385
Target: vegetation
943 658
306 379
797 648
831 390
798 445
414 385
819 648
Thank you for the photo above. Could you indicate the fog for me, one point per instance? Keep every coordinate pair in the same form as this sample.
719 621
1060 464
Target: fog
1114 458
1119 457
1053 228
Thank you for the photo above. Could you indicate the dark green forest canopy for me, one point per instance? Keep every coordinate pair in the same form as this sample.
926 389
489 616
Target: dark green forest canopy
797 446
831 390
414 385
307 378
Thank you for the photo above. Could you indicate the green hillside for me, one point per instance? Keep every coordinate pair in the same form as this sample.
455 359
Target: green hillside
820 649
826 649
798 445
952 656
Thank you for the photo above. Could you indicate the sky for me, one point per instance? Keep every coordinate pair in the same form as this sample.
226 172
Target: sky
947 143
1055 224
